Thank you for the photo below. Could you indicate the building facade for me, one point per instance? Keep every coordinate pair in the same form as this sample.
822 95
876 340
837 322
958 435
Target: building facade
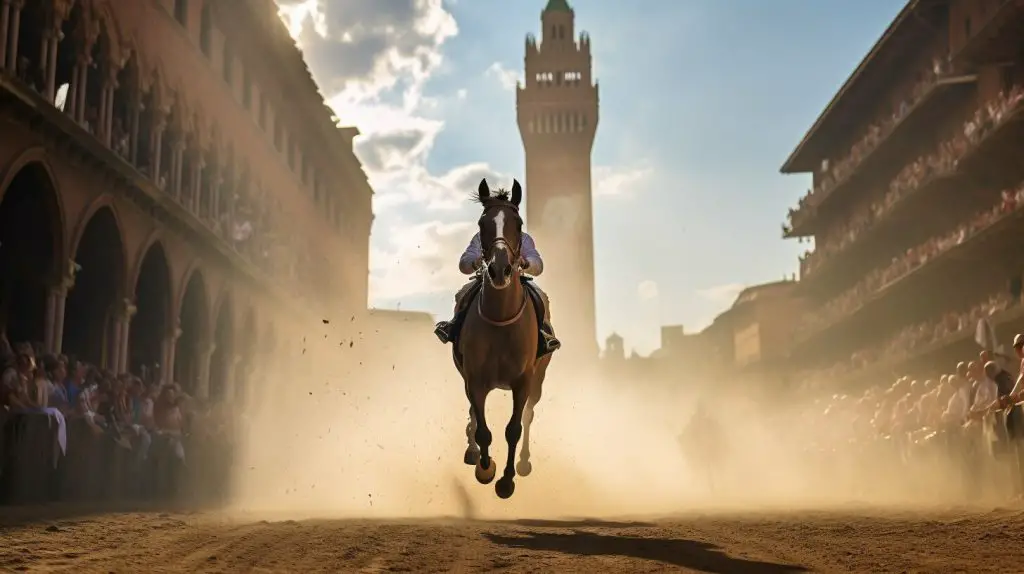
174 195
557 111
915 208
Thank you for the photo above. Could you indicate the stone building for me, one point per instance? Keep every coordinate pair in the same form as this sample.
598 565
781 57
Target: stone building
915 207
557 110
175 194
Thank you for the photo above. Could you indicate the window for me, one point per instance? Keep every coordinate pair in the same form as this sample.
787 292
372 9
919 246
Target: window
573 77
206 31
181 12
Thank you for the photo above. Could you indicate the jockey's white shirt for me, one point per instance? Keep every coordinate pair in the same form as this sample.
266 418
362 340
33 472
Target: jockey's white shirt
475 251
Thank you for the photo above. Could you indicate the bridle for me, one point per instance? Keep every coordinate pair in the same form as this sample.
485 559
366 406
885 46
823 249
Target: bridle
516 271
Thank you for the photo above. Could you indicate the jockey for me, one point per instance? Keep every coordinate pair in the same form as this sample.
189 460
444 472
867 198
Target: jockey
470 263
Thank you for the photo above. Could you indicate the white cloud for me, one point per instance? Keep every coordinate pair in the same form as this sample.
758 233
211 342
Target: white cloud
421 259
507 78
621 181
647 290
721 294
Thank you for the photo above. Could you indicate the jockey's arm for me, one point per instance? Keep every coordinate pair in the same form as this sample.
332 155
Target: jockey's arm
534 262
473 253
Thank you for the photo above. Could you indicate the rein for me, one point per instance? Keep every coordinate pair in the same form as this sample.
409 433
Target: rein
518 270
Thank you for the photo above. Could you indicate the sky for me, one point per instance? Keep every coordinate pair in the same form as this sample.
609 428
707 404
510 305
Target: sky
701 102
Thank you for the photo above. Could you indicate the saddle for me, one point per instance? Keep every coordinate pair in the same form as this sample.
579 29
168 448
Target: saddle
474 289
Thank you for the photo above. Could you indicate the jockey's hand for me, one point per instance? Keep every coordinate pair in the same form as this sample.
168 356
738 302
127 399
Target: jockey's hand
524 265
479 263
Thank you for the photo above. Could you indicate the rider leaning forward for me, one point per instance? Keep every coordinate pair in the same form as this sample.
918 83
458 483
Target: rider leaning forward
470 263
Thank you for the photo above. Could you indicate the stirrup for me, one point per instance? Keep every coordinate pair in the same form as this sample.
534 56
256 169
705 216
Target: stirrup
441 331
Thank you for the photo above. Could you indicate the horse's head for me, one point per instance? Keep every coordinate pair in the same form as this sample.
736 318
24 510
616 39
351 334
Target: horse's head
501 232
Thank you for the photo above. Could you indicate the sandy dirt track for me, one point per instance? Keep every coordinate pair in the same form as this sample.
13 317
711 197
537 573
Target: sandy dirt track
951 541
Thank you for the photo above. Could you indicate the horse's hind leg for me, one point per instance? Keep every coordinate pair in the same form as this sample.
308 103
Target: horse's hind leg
485 467
506 485
472 455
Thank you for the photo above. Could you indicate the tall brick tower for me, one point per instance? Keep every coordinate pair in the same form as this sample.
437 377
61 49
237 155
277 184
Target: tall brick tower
557 116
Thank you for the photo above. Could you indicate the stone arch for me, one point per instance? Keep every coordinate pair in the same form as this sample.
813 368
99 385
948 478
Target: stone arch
119 42
104 201
156 237
195 337
36 157
32 249
91 311
153 324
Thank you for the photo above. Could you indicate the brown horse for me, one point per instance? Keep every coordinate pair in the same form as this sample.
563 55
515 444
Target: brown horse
497 347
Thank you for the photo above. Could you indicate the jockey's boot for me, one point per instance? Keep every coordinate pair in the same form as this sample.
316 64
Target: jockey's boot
549 343
443 330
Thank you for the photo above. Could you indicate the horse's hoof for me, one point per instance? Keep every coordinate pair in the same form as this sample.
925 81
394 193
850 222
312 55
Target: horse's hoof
505 487
524 468
486 475
472 457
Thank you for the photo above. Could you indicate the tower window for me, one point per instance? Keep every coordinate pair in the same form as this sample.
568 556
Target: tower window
561 32
573 76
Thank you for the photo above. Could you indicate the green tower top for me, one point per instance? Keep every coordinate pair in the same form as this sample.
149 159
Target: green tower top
557 6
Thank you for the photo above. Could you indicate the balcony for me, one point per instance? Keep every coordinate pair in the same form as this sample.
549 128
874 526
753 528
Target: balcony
873 154
140 189
923 347
937 178
998 37
888 291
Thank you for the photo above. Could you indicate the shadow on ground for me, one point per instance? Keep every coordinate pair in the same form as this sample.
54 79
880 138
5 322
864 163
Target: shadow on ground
677 552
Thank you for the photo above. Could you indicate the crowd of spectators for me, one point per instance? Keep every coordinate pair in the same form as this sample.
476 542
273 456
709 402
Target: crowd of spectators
61 419
969 416
880 278
941 162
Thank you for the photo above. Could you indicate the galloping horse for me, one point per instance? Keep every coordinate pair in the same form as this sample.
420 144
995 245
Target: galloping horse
497 348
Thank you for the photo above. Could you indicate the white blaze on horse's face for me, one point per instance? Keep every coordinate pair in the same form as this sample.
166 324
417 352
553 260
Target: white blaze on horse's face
501 244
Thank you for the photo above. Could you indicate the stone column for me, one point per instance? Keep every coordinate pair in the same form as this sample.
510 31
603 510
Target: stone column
170 348
156 144
83 90
206 351
176 165
126 312
197 186
5 22
76 86
133 129
52 40
11 33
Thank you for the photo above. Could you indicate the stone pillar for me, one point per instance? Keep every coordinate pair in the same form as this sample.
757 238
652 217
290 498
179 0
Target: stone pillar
5 22
156 145
206 351
197 186
229 386
52 40
11 33
83 90
176 165
170 348
107 105
125 314
133 129
77 86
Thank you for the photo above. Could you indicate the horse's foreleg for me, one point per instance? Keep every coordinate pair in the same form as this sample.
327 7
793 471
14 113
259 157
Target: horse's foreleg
485 467
472 455
506 485
525 467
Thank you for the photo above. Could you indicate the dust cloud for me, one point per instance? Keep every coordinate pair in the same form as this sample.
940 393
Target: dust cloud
373 426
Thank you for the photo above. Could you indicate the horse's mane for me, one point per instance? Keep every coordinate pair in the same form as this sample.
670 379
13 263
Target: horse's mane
500 194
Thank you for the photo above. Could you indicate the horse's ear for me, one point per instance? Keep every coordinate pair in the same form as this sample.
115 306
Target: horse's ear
483 192
517 193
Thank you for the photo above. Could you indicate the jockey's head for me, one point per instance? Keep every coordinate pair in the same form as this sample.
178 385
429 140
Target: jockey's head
501 232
